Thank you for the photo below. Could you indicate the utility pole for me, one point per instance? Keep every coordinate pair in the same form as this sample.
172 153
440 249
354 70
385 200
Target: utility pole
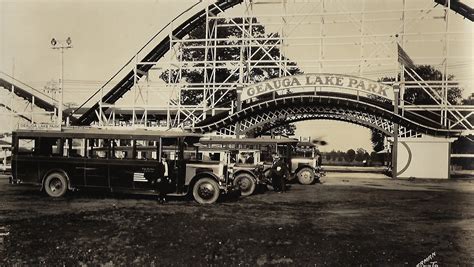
61 45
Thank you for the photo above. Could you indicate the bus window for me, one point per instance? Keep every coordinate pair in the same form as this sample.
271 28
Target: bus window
98 148
50 146
26 146
146 149
76 148
122 149
233 157
199 156
215 156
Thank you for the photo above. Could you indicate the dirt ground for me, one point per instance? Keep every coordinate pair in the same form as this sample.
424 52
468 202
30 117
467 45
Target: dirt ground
348 219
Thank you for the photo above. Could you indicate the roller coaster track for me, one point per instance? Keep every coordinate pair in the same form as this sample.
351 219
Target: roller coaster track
410 120
180 32
124 85
458 7
27 92
15 112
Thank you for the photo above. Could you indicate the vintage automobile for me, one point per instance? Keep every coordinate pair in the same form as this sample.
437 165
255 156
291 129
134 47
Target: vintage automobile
246 174
250 159
304 163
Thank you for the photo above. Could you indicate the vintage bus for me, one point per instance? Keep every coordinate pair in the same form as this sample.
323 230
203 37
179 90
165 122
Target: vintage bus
250 159
152 161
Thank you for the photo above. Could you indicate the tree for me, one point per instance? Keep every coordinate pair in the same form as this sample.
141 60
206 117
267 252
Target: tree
361 154
228 50
340 155
418 96
350 155
328 156
377 139
334 156
463 145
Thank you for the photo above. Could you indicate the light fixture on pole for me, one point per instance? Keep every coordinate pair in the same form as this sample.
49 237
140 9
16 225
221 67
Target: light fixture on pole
61 45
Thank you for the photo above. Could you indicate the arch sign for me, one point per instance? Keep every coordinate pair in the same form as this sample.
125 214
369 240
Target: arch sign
347 83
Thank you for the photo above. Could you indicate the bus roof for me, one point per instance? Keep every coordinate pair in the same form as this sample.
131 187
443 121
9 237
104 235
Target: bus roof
306 143
246 141
84 132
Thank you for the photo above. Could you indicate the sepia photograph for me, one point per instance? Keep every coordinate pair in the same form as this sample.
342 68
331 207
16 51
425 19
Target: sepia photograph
237 133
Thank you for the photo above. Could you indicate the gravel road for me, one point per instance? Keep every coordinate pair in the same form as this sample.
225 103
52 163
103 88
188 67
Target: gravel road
348 219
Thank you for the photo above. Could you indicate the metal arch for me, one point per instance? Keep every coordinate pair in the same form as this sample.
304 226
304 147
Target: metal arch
301 114
254 114
379 124
383 126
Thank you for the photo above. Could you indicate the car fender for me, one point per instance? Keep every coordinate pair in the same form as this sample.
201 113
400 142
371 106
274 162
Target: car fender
249 172
203 175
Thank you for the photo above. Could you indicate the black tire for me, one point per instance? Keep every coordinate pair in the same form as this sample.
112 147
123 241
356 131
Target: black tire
55 184
306 176
246 183
206 191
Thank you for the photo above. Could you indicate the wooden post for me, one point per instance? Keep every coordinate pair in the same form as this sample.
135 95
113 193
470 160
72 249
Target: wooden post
396 91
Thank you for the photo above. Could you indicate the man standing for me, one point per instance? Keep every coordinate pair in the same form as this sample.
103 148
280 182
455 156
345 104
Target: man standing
279 173
163 181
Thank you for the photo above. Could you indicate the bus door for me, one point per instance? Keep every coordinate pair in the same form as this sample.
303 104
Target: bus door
75 151
96 168
173 159
26 149
147 169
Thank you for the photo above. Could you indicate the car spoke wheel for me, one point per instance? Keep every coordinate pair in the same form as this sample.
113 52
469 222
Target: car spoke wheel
55 185
246 184
206 191
305 176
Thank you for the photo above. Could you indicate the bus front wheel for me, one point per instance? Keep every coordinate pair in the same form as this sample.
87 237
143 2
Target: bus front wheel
306 176
55 184
246 184
206 191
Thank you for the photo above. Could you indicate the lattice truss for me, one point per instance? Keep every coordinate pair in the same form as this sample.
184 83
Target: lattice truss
272 51
263 122
320 36
17 112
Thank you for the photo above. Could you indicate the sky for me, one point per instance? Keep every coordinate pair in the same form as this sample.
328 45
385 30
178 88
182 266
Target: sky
106 33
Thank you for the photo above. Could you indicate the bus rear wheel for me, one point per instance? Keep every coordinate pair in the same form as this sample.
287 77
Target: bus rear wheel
246 184
206 191
306 176
55 184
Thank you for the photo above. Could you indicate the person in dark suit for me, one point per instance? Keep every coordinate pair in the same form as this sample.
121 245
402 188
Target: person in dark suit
279 173
159 179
